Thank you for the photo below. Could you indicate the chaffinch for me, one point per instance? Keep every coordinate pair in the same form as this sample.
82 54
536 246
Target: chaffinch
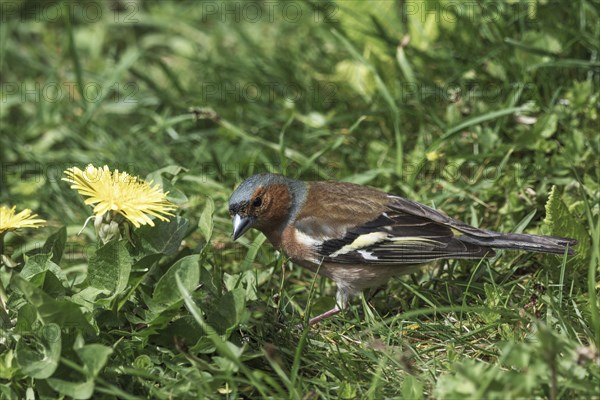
360 236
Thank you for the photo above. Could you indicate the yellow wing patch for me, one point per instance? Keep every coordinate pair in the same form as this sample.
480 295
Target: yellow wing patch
369 239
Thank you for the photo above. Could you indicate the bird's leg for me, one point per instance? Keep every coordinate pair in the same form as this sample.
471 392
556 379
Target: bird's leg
326 314
341 301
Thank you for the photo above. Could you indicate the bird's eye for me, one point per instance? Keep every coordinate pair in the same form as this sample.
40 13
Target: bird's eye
257 202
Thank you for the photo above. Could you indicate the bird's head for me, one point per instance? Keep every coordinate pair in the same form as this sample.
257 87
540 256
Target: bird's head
265 202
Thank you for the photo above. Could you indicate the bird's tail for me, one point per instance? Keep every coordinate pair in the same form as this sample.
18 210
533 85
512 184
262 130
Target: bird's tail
521 241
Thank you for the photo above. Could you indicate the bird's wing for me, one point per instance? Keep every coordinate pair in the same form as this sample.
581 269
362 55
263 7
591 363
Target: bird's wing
400 232
373 227
396 237
415 209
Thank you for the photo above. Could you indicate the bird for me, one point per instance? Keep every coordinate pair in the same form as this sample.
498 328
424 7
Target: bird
361 237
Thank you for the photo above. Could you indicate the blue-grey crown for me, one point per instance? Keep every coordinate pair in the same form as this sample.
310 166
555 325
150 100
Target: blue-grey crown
246 189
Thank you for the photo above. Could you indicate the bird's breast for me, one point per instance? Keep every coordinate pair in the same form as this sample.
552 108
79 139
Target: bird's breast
300 247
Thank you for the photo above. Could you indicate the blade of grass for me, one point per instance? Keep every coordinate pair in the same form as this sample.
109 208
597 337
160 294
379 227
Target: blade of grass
592 267
127 60
282 157
387 96
290 153
450 133
74 55
376 380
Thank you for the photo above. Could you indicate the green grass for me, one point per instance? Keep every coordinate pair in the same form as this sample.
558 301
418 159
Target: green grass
489 113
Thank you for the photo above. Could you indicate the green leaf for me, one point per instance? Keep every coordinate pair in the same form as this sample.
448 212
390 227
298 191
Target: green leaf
165 293
246 279
55 244
412 388
94 357
424 27
8 368
462 382
535 47
252 252
87 297
492 301
26 318
184 329
110 267
211 283
517 355
38 355
76 390
157 176
561 223
206 219
228 311
143 362
381 18
166 237
62 312
547 125
358 76
347 391
42 272
227 350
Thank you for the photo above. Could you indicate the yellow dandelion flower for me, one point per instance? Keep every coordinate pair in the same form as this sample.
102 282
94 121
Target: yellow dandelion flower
120 193
25 219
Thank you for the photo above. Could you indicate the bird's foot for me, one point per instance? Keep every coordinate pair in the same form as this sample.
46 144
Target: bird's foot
320 317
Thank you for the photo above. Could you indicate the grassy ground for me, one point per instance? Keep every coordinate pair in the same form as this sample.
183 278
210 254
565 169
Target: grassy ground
488 111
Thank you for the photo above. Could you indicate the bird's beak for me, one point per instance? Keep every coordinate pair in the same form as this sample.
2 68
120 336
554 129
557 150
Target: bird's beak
241 225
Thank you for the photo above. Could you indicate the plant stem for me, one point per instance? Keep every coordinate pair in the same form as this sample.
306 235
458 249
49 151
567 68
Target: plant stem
3 298
2 247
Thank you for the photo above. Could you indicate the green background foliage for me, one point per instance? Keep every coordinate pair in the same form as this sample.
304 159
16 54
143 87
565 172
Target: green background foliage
486 110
